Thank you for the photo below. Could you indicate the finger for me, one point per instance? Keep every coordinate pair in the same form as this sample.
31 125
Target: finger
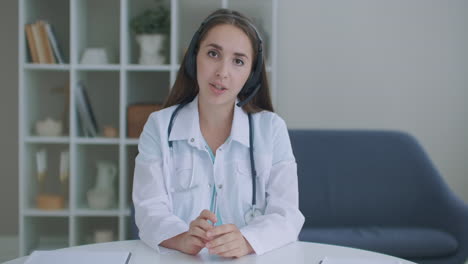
221 240
196 241
201 223
208 215
225 248
198 232
220 230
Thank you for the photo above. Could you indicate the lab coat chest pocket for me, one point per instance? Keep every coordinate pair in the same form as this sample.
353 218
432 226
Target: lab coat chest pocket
184 187
244 181
183 179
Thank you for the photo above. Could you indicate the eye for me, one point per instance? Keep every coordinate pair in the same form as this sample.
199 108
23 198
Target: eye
213 54
239 62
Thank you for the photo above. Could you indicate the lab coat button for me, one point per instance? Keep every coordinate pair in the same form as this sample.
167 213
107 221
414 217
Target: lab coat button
192 140
220 186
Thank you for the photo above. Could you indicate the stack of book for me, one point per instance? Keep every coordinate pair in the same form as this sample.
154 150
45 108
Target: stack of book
42 43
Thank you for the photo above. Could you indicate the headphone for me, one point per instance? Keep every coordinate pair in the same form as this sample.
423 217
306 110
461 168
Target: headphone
254 82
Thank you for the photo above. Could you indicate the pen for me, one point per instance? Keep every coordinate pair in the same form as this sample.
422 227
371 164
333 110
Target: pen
215 204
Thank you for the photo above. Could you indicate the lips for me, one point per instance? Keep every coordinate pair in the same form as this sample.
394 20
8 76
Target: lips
217 88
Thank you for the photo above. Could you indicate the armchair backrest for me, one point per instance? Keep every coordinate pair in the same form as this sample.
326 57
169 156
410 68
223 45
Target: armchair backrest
359 177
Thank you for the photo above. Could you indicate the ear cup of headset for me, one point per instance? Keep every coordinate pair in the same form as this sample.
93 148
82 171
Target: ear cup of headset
255 76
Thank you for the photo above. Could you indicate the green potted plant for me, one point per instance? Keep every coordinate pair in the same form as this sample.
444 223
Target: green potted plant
152 28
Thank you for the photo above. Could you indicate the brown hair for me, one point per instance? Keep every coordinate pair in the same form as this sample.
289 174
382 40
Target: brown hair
185 89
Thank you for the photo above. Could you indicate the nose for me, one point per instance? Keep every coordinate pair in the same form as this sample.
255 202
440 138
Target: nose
223 70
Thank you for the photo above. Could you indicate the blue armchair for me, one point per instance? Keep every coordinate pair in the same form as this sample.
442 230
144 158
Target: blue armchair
377 190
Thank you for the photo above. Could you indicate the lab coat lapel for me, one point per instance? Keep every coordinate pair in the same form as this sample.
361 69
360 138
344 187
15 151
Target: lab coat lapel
187 126
240 126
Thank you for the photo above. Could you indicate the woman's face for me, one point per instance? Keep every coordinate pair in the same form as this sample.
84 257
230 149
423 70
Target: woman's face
224 63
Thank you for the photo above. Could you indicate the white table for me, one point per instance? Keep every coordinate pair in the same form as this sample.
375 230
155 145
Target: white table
298 252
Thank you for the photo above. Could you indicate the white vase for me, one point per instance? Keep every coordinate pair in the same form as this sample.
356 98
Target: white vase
102 196
150 48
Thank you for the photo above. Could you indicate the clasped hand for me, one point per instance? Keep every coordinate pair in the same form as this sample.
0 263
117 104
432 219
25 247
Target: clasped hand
224 240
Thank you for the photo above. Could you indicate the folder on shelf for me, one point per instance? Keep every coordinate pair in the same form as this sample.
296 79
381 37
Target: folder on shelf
78 257
86 116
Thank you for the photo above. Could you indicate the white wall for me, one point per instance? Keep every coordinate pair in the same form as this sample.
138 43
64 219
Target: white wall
380 64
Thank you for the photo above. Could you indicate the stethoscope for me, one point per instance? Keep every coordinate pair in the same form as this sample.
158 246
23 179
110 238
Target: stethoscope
253 211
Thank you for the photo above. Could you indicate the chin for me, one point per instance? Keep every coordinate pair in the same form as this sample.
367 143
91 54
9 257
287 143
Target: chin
220 101
216 100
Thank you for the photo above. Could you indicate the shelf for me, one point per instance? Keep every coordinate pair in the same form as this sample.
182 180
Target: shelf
47 67
102 88
137 67
97 26
88 229
97 141
131 142
38 212
48 140
104 67
45 233
57 14
51 183
45 98
92 212
48 91
143 89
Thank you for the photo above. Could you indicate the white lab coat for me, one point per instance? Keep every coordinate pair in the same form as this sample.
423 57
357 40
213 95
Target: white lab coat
170 191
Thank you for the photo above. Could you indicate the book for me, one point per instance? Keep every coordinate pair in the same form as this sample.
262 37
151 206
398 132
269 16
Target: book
87 118
31 44
49 55
53 42
39 43
78 257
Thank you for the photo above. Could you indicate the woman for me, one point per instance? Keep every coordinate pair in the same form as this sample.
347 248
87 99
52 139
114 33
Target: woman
215 167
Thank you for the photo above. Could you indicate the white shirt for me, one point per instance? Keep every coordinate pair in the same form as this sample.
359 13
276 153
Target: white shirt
170 191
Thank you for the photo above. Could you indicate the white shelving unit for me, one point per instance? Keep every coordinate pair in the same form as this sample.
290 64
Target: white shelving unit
80 24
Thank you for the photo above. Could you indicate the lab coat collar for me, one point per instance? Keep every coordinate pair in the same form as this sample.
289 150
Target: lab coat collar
240 126
187 126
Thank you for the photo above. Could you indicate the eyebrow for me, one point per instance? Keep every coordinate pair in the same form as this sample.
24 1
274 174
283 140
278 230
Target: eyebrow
216 46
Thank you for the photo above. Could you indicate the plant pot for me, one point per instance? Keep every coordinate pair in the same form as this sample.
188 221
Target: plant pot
150 49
